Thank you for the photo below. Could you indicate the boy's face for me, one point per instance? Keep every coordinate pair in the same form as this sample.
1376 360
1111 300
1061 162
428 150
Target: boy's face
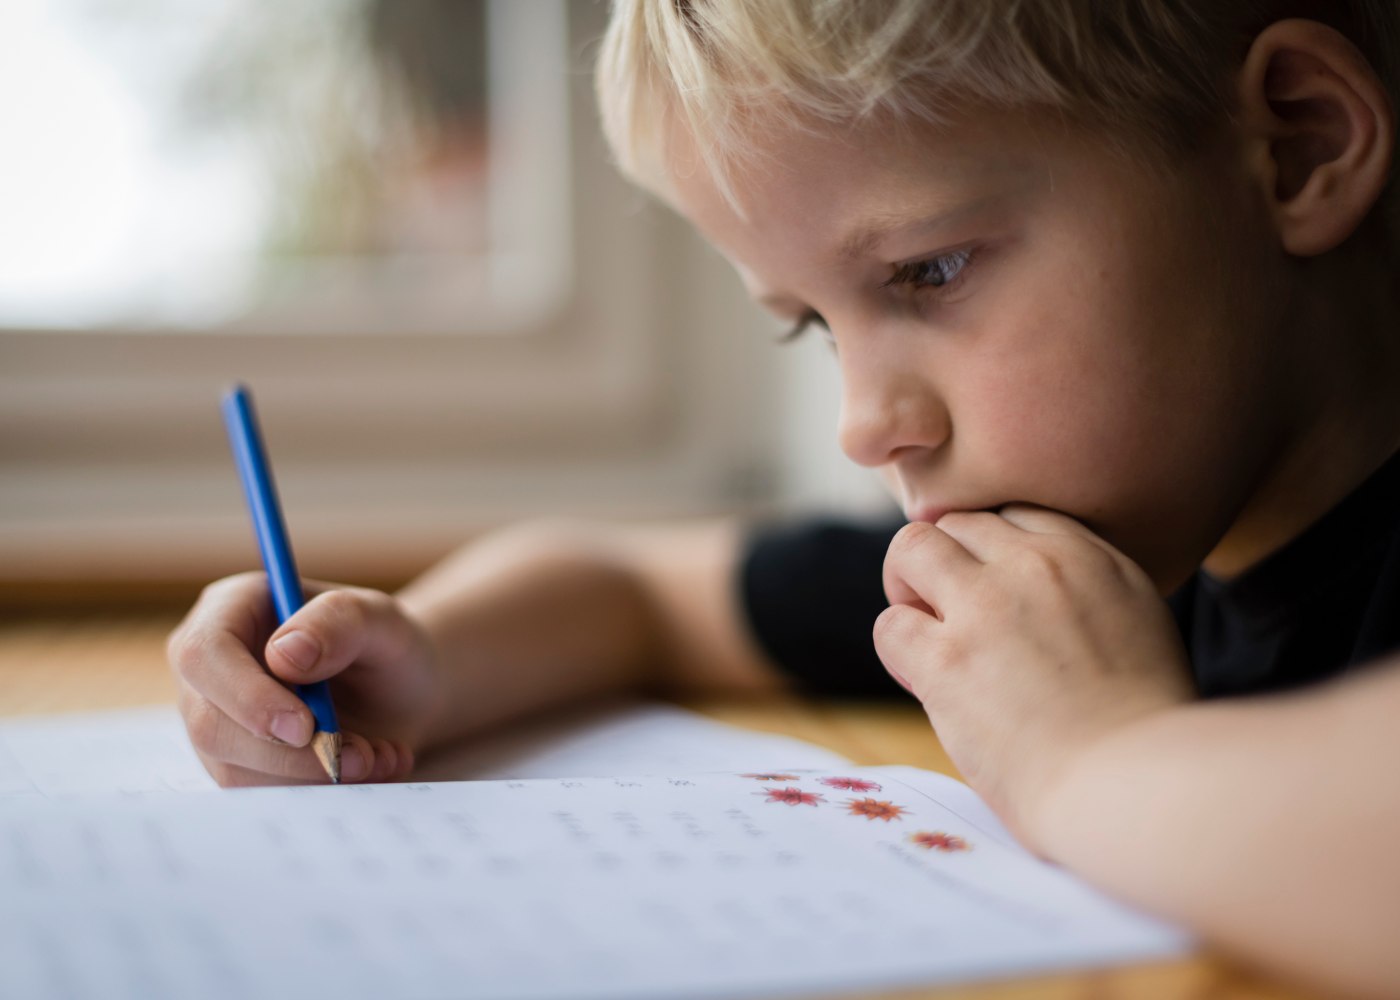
1070 332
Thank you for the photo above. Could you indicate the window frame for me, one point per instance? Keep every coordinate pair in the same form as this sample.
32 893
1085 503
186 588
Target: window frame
644 388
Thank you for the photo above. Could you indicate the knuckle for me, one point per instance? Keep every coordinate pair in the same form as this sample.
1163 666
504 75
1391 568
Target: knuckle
909 537
203 723
1039 564
375 603
1100 560
216 590
895 625
188 651
344 610
952 650
175 645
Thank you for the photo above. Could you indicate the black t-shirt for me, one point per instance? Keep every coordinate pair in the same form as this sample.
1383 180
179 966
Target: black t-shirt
1326 601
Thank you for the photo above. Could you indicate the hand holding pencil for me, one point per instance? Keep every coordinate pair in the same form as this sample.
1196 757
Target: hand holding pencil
250 454
249 724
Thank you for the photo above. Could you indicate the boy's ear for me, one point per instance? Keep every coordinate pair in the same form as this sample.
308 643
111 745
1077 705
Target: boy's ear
1321 130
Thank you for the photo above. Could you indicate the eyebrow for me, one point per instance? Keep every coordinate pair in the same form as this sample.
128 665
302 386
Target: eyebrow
871 233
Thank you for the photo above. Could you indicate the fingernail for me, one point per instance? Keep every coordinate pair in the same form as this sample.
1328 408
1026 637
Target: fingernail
353 766
291 728
299 648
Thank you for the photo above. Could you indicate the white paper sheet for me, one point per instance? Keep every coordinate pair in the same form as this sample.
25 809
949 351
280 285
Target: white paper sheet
145 751
707 885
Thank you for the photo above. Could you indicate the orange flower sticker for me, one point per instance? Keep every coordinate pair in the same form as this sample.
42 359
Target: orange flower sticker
875 809
791 796
939 841
771 777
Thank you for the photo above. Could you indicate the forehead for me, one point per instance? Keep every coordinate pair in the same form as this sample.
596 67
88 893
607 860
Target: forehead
834 193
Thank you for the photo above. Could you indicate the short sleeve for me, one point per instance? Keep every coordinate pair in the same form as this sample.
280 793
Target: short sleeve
812 591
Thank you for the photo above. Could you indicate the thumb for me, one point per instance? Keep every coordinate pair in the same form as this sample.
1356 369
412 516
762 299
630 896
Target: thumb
338 628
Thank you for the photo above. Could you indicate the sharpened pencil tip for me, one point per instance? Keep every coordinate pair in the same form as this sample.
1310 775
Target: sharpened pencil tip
327 748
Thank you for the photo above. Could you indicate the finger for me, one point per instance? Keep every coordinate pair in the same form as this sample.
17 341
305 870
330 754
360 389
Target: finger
210 656
392 762
242 604
924 565
987 536
357 758
237 604
365 759
903 636
337 628
357 763
218 739
405 761
1042 521
233 776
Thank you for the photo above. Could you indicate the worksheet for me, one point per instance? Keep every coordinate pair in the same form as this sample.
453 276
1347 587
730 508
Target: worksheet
145 751
720 884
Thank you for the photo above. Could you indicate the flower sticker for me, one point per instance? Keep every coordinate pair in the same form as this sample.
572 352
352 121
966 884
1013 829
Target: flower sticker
765 776
939 841
850 784
875 809
791 796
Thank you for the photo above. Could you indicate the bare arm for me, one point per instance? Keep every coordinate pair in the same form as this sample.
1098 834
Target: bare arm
1268 824
547 613
526 619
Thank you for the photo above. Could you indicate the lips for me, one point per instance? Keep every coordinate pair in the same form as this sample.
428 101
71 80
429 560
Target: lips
930 513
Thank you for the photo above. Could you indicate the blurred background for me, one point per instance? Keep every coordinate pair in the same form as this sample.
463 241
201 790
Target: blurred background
396 220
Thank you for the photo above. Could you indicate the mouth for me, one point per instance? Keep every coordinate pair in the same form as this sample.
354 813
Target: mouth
930 513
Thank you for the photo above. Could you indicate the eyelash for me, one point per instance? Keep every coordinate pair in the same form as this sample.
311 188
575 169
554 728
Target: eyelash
908 274
904 274
810 318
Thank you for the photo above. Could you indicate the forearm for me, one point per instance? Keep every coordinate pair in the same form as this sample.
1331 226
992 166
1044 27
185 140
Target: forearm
548 613
1268 825
525 619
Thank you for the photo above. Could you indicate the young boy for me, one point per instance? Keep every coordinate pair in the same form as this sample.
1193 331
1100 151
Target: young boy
1112 291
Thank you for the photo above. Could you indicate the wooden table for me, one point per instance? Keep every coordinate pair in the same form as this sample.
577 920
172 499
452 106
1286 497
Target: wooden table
64 661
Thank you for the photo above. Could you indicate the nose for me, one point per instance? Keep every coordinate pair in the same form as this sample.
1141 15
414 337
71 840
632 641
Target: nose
888 408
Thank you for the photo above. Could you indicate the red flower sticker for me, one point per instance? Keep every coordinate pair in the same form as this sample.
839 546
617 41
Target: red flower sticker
875 809
791 796
850 784
939 841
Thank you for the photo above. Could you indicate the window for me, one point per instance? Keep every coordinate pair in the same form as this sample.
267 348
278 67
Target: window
397 223
326 166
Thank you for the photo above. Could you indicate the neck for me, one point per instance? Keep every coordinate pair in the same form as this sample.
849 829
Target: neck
1350 357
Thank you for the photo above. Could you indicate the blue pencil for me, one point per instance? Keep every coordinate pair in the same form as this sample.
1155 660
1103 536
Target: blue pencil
245 438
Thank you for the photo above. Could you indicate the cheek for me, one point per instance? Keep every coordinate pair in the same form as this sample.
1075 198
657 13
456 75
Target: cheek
1115 405
1074 404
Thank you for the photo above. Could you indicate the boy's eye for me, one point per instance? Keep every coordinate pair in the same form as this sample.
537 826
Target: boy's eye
936 272
941 272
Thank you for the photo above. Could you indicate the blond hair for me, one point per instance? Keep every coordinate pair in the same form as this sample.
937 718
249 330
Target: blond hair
1150 75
